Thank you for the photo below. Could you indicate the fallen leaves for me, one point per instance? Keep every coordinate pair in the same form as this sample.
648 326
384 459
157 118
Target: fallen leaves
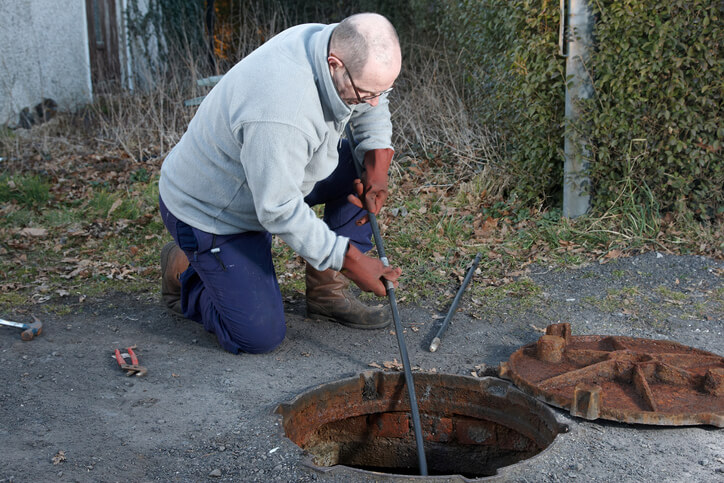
34 232
59 457
395 365
82 270
485 229
612 255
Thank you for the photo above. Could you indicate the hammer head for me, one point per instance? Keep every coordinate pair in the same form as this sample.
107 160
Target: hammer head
32 329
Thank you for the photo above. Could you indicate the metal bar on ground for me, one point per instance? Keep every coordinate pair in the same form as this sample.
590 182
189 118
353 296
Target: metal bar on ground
422 461
436 341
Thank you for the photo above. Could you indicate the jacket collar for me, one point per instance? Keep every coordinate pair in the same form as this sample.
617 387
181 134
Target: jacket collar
333 105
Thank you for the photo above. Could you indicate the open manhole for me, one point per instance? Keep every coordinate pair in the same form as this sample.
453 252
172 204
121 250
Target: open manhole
621 378
471 427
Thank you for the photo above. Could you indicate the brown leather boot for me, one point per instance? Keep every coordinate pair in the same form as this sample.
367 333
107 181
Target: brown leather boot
173 264
328 297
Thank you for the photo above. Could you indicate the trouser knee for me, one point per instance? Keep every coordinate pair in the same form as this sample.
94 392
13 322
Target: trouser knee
265 343
254 335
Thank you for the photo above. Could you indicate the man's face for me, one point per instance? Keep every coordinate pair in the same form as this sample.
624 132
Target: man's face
366 86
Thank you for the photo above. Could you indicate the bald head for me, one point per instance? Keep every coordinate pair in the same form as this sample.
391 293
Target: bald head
367 42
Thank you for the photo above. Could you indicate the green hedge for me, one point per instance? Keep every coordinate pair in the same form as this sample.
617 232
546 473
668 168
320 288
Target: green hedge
656 118
659 78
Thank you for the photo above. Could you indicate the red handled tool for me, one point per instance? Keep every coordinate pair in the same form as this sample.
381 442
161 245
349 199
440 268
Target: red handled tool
133 368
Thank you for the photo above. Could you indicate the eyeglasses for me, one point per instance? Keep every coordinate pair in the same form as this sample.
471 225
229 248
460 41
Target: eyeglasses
356 91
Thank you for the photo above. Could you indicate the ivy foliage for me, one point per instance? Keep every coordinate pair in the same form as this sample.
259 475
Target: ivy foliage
164 28
656 115
659 81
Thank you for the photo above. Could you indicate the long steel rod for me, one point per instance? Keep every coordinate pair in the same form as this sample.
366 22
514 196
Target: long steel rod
403 350
436 341
422 460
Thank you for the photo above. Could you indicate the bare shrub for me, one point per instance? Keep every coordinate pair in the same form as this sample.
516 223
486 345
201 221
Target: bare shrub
151 121
431 120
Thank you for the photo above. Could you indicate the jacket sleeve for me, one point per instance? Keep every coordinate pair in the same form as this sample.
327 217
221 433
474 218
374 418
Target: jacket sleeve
275 158
371 127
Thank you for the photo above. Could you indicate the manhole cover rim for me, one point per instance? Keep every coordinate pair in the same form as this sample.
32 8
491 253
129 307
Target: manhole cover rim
554 425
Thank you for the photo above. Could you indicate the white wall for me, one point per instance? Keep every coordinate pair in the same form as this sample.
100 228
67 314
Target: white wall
43 53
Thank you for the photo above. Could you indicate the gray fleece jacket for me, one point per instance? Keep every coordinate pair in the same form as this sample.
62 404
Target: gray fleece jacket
262 138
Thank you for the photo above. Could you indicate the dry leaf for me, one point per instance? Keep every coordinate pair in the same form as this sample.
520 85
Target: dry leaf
115 206
613 254
59 457
36 232
486 228
393 364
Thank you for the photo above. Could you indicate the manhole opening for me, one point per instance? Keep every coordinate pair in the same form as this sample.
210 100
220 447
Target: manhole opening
471 427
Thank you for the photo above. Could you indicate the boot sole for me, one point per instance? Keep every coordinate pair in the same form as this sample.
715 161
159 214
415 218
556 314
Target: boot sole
351 325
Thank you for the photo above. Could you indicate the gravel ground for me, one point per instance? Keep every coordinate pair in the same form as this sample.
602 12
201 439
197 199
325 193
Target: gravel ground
67 413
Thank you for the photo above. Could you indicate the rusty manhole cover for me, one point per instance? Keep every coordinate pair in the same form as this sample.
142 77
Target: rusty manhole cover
471 427
621 378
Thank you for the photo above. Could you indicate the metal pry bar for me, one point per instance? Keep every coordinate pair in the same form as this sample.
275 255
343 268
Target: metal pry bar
436 341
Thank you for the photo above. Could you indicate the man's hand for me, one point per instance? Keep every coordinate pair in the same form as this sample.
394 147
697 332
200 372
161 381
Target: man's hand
371 188
368 272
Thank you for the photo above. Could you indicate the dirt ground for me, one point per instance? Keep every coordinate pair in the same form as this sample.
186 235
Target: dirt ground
68 413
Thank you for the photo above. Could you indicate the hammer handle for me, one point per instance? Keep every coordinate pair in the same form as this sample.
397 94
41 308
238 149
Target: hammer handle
13 324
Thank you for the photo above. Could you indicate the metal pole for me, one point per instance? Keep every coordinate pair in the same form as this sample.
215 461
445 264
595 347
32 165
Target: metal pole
422 461
576 183
436 341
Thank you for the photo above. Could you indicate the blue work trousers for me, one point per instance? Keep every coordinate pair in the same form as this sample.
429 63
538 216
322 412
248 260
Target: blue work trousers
231 287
